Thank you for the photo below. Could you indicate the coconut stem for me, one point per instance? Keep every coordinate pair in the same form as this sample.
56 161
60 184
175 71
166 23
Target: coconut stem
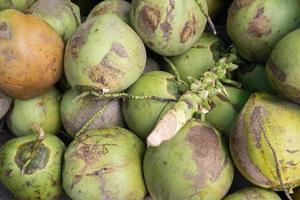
198 99
210 22
276 161
181 84
101 96
100 110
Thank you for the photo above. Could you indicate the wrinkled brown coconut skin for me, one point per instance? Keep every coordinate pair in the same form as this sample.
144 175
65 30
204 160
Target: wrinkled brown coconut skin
31 55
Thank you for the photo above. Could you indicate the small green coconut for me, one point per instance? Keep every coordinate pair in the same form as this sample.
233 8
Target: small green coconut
168 27
119 7
194 165
265 140
255 26
105 164
199 58
253 78
104 54
30 167
223 115
5 102
16 4
142 115
283 67
253 193
75 114
43 111
62 15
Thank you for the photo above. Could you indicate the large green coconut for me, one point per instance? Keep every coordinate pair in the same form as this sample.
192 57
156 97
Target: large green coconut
223 115
43 111
62 15
268 127
104 54
253 193
168 27
283 67
255 26
119 7
253 77
75 114
16 4
199 58
5 102
142 115
104 164
194 165
31 168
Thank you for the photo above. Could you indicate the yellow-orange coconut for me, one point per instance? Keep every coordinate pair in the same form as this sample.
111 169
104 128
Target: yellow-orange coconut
31 55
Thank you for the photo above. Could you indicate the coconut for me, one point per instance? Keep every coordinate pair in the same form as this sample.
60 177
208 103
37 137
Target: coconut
75 114
283 67
168 27
142 115
31 168
115 66
31 55
62 15
43 111
265 142
193 165
104 164
255 26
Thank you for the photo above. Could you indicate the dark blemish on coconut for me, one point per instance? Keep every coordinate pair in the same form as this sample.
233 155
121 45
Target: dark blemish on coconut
8 55
189 30
76 180
256 126
148 19
277 72
238 146
79 37
102 10
260 25
166 26
238 4
119 49
5 32
207 154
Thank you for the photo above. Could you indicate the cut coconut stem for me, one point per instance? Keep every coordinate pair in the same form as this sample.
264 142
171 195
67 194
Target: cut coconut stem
78 21
277 164
210 22
198 99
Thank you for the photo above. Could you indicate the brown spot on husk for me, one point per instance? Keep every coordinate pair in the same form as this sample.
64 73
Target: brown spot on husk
96 75
166 26
260 25
238 146
5 32
119 49
255 125
276 71
79 38
189 30
238 4
101 11
207 153
76 180
148 19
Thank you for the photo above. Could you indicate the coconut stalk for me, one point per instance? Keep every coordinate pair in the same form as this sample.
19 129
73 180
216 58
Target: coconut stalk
197 100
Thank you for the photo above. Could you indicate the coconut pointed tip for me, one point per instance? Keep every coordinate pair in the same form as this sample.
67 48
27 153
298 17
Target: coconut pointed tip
153 140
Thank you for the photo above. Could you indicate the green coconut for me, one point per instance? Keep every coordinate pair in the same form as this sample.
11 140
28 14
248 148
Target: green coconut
200 58
5 102
283 67
253 193
168 27
43 111
115 66
142 115
16 4
75 114
267 128
119 7
194 165
31 168
104 164
255 26
62 15
223 115
253 77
